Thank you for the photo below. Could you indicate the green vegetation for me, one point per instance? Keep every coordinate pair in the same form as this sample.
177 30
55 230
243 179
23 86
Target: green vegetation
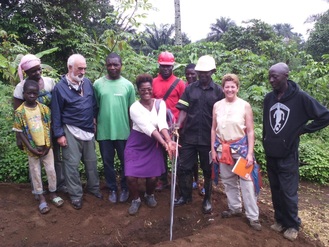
246 51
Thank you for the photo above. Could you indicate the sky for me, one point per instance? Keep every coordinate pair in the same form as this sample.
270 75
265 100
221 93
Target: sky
198 15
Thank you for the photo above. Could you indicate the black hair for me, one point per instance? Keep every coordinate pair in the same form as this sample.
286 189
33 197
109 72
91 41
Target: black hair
29 83
190 66
113 55
143 78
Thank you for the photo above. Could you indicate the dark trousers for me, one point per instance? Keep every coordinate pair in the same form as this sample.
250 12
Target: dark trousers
59 168
107 149
188 157
164 176
283 175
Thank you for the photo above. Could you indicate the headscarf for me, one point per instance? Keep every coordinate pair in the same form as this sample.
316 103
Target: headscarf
27 62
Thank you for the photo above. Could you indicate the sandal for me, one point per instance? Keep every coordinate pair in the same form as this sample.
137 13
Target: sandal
57 201
43 208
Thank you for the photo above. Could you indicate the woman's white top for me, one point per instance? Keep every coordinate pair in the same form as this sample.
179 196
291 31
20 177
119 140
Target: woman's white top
146 121
231 119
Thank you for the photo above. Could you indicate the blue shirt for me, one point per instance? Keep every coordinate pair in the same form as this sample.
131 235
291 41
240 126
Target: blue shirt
69 107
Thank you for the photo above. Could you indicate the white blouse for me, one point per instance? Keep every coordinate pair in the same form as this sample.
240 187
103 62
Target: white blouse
146 121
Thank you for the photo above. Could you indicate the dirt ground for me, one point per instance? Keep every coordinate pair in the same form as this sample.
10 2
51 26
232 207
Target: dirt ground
100 223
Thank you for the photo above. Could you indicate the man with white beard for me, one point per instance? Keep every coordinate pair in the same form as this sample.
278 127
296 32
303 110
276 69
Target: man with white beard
73 110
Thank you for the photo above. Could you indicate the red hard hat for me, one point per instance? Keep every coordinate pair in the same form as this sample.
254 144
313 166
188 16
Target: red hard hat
166 58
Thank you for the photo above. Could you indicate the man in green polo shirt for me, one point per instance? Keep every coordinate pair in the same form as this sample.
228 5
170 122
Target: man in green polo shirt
114 95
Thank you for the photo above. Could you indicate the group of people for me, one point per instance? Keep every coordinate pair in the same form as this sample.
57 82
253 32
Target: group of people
214 124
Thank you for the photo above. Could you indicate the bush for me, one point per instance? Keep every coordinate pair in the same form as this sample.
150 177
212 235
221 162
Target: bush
314 159
13 166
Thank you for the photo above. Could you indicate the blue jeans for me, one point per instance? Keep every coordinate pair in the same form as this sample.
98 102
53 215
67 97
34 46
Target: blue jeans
107 149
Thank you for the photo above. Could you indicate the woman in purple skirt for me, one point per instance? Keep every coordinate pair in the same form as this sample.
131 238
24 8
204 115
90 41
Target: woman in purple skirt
144 149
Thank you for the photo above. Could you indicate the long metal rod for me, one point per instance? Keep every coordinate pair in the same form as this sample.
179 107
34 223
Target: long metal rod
173 187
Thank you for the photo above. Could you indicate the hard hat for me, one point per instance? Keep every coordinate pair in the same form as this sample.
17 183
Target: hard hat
166 58
205 63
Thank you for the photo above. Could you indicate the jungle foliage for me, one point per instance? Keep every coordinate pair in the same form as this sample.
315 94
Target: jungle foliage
246 51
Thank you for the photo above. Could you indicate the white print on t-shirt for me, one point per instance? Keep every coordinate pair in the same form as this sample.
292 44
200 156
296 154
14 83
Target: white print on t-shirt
279 114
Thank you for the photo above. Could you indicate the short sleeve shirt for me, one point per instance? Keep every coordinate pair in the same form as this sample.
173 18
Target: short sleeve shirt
114 97
198 103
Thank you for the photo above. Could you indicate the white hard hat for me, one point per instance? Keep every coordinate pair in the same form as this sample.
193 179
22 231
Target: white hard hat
205 63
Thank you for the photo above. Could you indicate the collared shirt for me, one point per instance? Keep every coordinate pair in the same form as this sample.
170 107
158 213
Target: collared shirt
198 103
75 86
68 107
113 97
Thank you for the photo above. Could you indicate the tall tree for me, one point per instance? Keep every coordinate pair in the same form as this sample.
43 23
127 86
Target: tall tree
44 24
249 37
318 41
159 36
284 30
178 24
218 28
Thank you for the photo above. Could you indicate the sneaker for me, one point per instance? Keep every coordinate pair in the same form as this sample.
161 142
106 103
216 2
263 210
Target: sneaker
150 201
202 192
255 225
231 213
195 185
113 196
290 234
277 227
124 195
135 204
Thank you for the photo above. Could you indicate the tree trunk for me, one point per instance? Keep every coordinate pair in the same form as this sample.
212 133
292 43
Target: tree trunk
178 25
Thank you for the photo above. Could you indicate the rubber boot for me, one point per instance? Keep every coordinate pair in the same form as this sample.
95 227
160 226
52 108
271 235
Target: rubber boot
185 187
206 204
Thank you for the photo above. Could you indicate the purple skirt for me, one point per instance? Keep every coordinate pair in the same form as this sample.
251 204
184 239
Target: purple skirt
143 156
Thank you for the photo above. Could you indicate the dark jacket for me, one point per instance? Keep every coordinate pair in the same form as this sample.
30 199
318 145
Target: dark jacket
286 119
68 107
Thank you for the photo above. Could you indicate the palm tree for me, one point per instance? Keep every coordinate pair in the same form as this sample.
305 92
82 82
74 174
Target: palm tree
155 37
221 26
284 30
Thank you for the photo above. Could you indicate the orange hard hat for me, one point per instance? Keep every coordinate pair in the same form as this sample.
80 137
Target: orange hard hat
166 58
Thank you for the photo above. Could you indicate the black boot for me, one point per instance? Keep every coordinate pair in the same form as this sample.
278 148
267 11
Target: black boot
206 204
185 187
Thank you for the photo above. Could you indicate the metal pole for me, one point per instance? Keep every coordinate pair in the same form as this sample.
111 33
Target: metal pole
173 185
